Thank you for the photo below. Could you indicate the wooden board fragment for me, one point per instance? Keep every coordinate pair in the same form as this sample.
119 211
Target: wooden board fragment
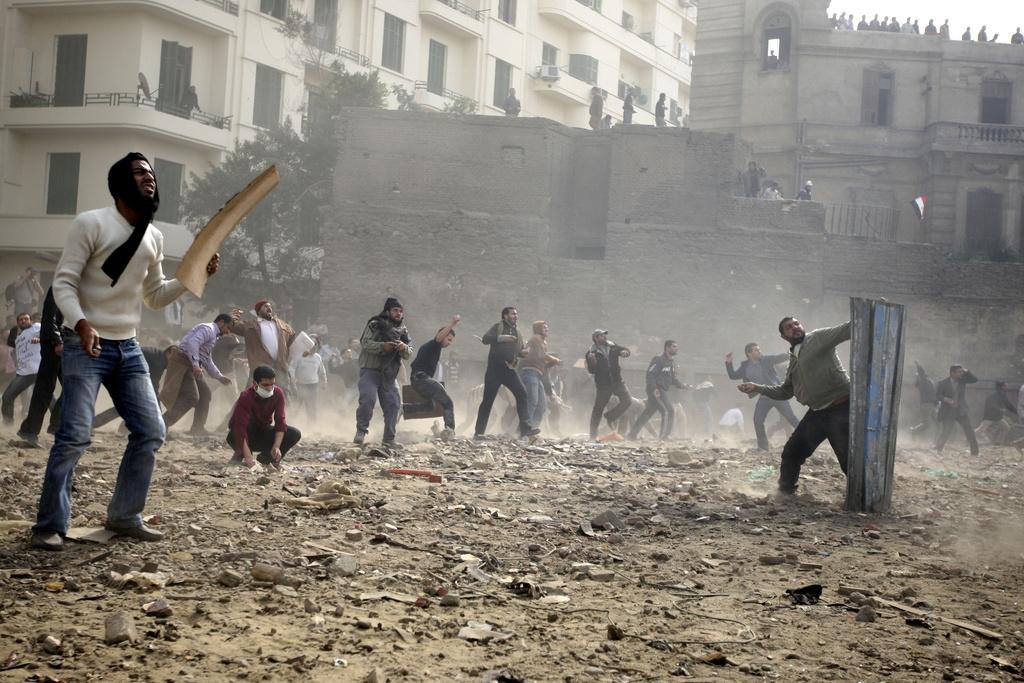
876 376
192 271
415 407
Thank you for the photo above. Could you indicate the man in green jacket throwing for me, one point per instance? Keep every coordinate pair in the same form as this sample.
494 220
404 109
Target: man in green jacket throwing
817 379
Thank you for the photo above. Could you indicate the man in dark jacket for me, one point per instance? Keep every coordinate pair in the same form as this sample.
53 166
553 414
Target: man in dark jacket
993 422
385 342
760 369
51 346
661 377
951 395
603 363
506 348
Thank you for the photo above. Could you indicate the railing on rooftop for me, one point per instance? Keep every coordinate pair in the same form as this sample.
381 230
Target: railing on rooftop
866 221
224 5
120 99
464 8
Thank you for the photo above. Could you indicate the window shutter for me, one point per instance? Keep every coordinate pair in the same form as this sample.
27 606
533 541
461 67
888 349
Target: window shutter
869 99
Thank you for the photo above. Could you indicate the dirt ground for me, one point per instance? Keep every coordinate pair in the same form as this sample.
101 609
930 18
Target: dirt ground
560 561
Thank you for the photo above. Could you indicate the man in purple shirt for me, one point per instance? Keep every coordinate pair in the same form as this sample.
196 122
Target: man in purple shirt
184 387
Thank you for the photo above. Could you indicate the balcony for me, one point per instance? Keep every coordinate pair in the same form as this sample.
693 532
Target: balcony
866 221
343 52
28 111
438 100
566 88
453 14
983 138
217 16
50 233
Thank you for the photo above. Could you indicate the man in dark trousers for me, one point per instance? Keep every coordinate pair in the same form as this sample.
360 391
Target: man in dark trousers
817 378
258 423
661 377
506 348
998 407
951 395
385 342
659 111
51 346
603 362
424 369
805 194
926 401
760 369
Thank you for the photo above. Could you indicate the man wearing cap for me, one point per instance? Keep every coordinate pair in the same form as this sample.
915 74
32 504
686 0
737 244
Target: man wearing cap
112 263
805 194
266 337
383 346
603 360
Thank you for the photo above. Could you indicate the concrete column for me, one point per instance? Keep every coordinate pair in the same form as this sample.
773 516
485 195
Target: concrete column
1012 209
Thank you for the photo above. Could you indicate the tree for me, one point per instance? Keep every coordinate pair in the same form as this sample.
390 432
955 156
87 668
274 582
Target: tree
276 252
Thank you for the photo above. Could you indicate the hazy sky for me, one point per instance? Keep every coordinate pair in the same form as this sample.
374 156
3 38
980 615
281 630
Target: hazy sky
1001 16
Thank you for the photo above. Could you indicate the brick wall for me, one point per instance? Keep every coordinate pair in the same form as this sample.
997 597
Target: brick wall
471 214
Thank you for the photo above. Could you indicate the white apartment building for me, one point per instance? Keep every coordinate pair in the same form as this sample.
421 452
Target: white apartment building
85 81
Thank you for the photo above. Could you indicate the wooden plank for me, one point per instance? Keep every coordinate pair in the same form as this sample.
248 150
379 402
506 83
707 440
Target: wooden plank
876 372
959 623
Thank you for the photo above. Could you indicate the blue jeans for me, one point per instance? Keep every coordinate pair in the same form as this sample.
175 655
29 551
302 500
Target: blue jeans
122 369
536 399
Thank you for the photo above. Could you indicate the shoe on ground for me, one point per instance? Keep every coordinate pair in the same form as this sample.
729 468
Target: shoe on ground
47 540
447 434
479 437
359 438
31 439
532 431
141 532
199 432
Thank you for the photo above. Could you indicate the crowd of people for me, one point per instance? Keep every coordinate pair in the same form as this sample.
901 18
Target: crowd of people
86 337
847 22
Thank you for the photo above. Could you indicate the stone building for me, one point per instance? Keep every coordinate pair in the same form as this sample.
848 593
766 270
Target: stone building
873 118
635 229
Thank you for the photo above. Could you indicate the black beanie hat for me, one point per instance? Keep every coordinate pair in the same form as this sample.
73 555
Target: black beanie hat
121 180
392 302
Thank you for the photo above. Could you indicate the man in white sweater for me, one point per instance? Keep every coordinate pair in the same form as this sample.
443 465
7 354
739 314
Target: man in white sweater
110 265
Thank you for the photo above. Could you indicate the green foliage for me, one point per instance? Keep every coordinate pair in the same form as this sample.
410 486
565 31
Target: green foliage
460 105
406 99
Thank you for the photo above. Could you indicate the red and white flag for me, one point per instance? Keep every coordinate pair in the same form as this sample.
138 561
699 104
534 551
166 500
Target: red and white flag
919 203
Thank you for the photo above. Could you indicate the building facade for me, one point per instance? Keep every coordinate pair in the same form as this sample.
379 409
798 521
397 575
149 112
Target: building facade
874 119
183 81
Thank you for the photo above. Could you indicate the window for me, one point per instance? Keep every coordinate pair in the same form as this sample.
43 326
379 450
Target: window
275 8
775 42
394 43
69 82
437 58
995 101
175 78
325 24
168 177
502 81
267 106
507 11
876 98
984 233
592 4
549 55
628 22
317 121
62 182
583 67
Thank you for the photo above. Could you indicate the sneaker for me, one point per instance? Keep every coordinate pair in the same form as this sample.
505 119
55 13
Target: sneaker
47 540
358 438
532 431
31 439
141 532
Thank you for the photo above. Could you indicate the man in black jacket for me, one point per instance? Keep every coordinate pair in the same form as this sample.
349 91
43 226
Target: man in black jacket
51 346
760 369
951 395
661 377
506 348
603 363
993 421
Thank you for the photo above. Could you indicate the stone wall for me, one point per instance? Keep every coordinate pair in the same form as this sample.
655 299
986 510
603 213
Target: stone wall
471 214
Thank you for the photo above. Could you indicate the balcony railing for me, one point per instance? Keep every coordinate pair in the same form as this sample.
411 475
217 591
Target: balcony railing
464 8
443 92
121 99
867 221
345 53
225 5
984 132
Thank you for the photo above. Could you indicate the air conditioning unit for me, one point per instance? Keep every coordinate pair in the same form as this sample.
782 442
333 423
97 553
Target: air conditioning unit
627 21
548 72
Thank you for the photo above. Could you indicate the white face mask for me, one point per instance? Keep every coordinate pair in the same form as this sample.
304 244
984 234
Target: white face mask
264 392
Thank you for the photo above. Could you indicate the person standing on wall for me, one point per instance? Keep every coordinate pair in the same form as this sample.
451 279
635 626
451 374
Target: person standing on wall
659 111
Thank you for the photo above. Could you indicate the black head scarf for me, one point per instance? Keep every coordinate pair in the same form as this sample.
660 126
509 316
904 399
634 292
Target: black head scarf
121 183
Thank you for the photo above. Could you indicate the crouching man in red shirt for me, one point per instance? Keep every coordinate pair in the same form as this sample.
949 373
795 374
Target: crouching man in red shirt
258 424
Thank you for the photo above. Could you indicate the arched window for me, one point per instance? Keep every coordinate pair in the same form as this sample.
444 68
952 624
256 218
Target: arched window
775 41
